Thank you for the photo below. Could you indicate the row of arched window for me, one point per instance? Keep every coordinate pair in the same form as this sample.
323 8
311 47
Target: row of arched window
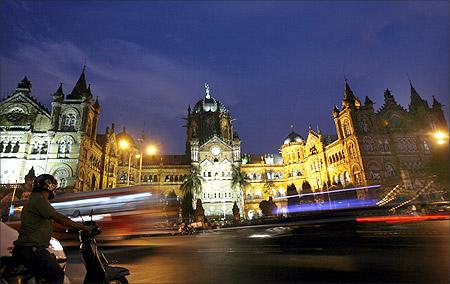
293 157
9 147
39 147
217 195
337 157
216 174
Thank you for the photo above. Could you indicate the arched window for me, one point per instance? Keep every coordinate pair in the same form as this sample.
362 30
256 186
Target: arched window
347 178
16 147
1 147
8 147
69 121
347 128
61 176
390 170
64 146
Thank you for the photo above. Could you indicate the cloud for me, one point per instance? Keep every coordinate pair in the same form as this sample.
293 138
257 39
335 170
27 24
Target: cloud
133 83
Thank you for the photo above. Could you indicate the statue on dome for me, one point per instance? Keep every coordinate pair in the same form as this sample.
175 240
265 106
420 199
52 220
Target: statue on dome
207 90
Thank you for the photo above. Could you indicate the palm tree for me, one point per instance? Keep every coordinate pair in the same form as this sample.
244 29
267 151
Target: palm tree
238 179
192 185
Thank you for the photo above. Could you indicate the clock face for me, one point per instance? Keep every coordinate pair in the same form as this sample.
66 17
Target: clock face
215 151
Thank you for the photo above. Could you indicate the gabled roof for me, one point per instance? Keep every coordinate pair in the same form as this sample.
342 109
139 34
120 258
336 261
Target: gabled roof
20 96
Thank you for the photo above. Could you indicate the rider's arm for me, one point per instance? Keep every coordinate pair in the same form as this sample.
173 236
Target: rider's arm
63 220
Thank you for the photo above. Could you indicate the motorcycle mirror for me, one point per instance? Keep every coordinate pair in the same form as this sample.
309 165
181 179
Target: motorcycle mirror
92 213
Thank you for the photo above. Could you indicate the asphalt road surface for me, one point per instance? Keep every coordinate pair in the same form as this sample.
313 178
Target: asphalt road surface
316 253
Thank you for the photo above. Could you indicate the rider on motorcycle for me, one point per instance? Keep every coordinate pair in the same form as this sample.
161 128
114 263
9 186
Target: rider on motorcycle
36 229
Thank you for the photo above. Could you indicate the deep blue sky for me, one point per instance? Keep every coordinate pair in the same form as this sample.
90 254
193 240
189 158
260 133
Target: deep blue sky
272 63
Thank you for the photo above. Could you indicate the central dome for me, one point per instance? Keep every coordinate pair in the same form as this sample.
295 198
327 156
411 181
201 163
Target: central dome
293 137
209 104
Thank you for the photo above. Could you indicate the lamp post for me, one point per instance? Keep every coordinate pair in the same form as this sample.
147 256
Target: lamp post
151 150
125 145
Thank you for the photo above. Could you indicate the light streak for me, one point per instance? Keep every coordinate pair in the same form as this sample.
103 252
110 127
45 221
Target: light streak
79 202
400 219
329 192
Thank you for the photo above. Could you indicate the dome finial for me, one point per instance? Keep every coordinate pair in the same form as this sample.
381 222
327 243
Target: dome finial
207 90
292 128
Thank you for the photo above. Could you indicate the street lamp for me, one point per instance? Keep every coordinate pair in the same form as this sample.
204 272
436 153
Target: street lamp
440 137
150 150
125 145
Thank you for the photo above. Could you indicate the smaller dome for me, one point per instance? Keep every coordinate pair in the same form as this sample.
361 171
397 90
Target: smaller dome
293 137
125 136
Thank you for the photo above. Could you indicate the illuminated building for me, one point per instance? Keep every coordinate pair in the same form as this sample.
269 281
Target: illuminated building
390 146
62 141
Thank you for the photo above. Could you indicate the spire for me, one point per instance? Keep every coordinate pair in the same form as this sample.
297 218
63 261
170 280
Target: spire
59 94
436 104
189 109
96 104
349 97
348 93
208 96
416 100
388 97
80 87
24 84
368 102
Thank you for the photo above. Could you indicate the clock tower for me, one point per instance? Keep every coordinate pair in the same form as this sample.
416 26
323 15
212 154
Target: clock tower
214 150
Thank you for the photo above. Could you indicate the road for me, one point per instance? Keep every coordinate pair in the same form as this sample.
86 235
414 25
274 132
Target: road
304 253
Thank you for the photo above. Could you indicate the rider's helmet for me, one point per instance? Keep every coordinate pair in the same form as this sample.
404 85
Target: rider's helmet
45 182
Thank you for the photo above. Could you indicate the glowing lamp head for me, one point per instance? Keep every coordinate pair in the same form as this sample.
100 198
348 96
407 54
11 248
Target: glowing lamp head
151 150
138 156
441 137
124 144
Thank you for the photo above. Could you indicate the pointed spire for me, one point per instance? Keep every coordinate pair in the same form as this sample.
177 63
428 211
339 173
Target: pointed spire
349 97
80 87
24 84
348 93
96 104
368 102
436 104
416 99
59 94
318 129
189 109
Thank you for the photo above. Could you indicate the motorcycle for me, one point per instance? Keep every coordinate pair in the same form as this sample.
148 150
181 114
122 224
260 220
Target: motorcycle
13 272
98 269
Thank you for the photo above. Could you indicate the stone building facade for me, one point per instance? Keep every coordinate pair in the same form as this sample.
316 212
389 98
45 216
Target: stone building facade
388 146
62 141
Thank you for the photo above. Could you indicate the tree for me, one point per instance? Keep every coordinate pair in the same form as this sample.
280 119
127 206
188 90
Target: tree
192 185
293 197
238 179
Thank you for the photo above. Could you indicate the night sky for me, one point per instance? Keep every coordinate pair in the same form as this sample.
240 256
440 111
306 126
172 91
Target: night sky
272 64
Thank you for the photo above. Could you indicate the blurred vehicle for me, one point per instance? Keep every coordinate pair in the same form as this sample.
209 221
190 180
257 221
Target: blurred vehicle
12 272
121 212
